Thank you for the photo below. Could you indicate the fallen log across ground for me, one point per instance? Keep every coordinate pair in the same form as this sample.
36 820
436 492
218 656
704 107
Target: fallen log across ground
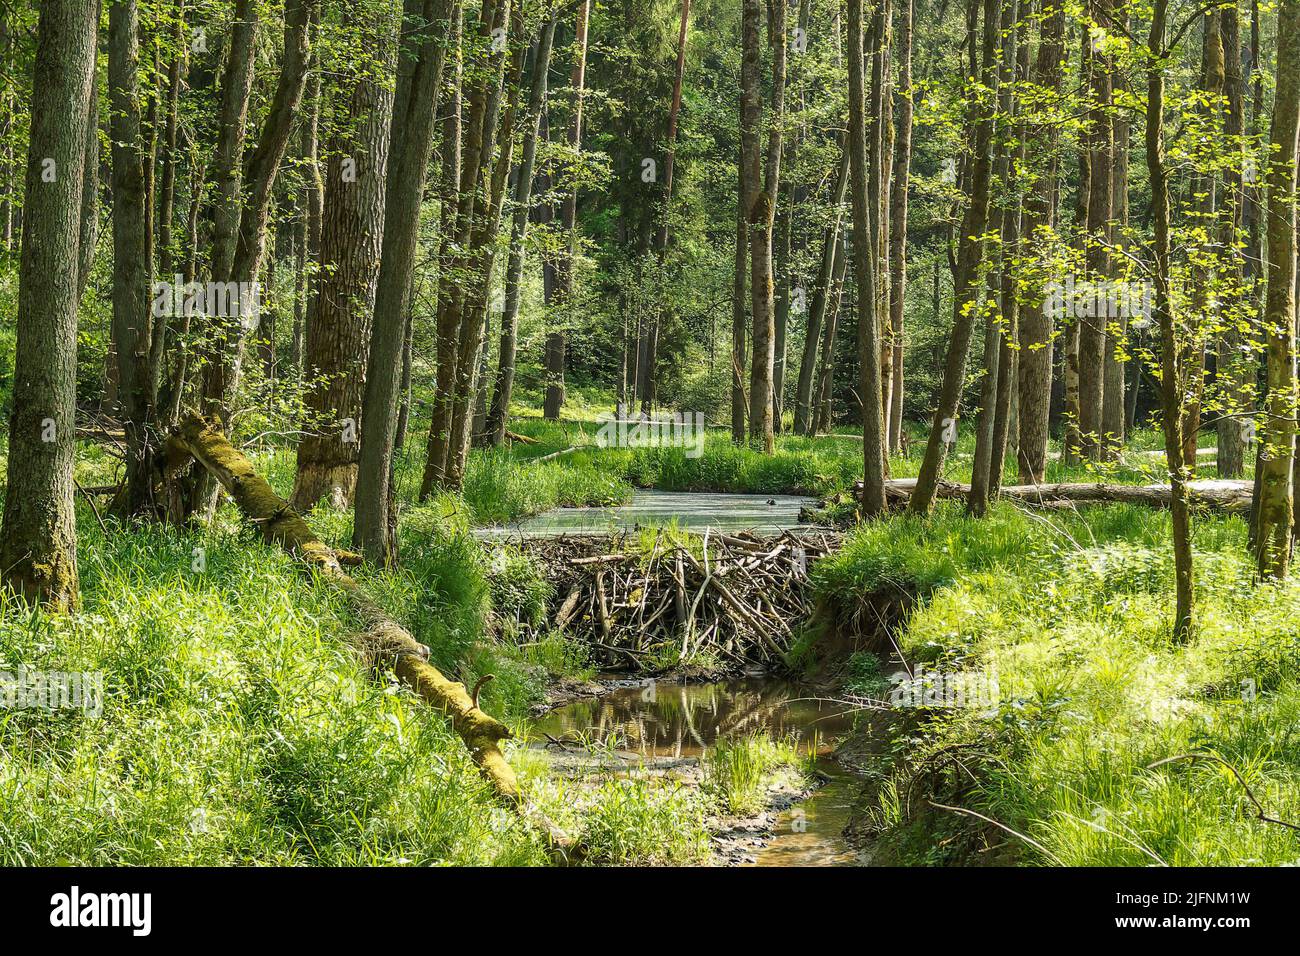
735 597
382 641
1227 496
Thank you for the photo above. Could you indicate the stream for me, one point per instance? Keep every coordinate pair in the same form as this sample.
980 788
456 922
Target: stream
694 511
678 721
667 721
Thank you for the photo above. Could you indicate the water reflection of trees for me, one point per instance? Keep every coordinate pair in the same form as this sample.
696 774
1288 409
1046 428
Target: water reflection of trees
682 719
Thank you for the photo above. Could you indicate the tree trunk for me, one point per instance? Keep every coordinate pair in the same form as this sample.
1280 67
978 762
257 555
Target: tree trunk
740 303
1005 418
450 162
500 410
1114 410
967 280
1003 218
1092 329
338 337
132 309
88 237
180 369
864 199
481 96
228 163
805 412
1170 357
312 214
1276 498
761 212
822 402
898 222
485 217
556 344
1233 368
420 59
38 537
231 336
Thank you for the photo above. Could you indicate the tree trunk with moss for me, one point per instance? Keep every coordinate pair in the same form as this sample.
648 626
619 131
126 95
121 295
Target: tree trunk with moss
382 642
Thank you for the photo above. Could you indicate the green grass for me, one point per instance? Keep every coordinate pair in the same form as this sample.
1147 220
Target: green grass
238 729
646 821
1071 616
736 771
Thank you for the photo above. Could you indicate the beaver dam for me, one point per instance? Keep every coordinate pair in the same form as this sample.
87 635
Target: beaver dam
726 583
734 597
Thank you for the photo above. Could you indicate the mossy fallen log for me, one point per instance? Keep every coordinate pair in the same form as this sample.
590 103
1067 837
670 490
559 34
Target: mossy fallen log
382 642
1231 497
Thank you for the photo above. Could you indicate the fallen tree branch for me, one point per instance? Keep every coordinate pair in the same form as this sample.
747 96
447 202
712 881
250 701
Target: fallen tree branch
1001 826
382 641
1259 807
1229 496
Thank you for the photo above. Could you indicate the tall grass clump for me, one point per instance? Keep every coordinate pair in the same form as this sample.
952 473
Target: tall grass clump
737 770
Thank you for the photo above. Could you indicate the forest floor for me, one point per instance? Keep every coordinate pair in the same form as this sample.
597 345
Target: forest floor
236 728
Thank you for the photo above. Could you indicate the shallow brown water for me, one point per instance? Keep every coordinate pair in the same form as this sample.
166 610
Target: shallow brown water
680 720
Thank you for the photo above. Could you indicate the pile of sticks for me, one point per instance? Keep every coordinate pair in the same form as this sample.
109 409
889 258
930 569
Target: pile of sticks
737 596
